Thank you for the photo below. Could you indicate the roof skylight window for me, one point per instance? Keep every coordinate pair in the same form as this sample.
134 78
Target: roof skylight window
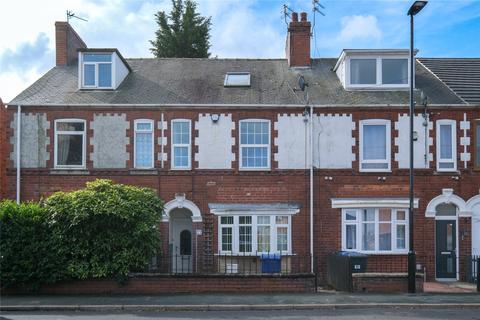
237 79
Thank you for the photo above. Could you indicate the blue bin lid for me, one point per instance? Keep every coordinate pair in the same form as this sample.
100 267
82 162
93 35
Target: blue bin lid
351 254
270 255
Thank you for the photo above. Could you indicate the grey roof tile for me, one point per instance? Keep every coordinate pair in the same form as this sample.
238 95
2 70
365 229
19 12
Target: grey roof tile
200 81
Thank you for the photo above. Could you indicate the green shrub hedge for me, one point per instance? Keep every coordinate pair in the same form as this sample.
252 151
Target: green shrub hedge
105 230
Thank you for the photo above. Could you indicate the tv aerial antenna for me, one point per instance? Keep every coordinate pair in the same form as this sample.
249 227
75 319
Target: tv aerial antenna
286 13
71 15
317 7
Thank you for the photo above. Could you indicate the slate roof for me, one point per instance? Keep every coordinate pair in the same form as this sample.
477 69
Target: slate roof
200 81
462 76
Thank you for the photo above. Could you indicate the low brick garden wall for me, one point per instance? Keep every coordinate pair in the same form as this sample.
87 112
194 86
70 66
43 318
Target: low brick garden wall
158 284
384 282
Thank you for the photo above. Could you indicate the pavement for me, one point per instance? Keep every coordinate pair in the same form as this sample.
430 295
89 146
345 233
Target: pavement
449 287
229 302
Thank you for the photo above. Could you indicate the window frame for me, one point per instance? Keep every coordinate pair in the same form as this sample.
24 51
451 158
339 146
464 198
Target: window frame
453 124
235 227
152 132
241 146
96 65
84 143
173 145
379 72
476 145
358 222
388 141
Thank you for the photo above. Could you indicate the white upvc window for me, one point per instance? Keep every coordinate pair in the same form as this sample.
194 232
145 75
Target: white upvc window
97 70
377 72
446 145
375 145
70 143
143 143
254 144
375 230
254 234
181 144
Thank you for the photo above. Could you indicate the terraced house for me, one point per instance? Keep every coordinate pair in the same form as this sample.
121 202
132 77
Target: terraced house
228 144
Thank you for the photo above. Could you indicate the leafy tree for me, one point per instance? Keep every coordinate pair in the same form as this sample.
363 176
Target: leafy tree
107 229
183 33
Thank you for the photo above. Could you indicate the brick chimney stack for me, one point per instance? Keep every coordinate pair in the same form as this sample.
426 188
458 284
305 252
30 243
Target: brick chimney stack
67 41
298 41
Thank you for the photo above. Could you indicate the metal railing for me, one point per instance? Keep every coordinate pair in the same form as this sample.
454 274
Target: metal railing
472 272
231 264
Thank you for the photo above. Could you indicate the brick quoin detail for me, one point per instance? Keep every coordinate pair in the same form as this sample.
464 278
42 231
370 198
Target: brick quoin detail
233 186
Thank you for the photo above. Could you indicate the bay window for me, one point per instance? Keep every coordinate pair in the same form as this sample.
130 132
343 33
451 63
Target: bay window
446 145
70 143
254 144
375 230
477 144
375 145
143 144
254 234
181 144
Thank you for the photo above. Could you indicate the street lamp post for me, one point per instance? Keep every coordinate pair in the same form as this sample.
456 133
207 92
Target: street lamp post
416 7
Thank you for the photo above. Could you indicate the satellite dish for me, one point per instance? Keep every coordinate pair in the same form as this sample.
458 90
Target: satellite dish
302 83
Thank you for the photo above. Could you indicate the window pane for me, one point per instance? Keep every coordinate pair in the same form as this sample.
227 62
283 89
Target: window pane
254 157
146 126
97 57
143 150
70 150
237 79
368 236
445 141
401 236
263 220
363 71
385 236
401 214
105 75
226 220
351 235
180 156
351 215
70 126
394 71
245 219
369 215
282 239
245 238
181 132
450 236
281 219
263 238
89 75
227 239
385 215
374 142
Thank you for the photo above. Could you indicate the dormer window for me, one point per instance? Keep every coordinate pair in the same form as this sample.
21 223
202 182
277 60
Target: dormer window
373 69
97 70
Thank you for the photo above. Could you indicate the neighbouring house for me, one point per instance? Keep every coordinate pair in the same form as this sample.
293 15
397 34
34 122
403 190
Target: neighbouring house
227 144
3 149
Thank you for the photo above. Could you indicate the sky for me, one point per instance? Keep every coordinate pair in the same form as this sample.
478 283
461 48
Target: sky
240 29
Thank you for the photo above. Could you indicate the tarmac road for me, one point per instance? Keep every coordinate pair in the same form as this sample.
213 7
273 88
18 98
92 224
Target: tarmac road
324 314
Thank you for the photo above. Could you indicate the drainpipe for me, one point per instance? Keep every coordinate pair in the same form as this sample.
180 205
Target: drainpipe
311 189
19 140
161 140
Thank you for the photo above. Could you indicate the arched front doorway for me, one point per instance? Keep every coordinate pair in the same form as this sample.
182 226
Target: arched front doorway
183 218
446 241
180 240
474 206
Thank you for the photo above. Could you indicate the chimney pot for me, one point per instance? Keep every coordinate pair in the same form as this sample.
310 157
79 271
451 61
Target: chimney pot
303 16
294 17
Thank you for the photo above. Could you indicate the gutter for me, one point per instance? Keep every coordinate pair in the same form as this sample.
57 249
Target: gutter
19 149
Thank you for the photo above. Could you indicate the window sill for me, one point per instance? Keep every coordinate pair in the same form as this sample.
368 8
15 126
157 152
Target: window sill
380 253
255 255
254 169
181 169
70 171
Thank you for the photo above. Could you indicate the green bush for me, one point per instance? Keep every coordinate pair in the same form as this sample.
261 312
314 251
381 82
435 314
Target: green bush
30 254
106 229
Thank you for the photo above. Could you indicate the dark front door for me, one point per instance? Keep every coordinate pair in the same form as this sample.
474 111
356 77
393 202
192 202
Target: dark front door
446 238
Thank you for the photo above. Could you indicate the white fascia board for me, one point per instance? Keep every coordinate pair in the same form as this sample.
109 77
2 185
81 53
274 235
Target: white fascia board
373 203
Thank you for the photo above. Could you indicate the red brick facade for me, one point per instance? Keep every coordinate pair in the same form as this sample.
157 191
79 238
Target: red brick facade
233 186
